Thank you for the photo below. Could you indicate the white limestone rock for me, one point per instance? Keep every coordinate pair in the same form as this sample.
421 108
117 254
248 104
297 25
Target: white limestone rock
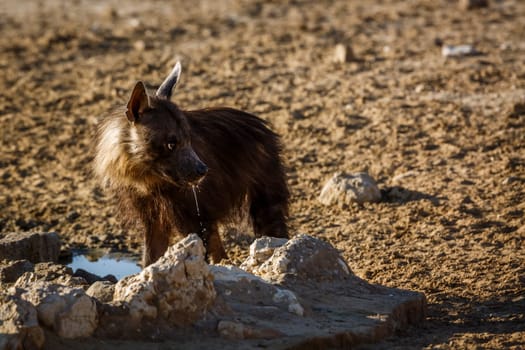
345 188
238 286
177 288
303 258
35 247
260 250
19 328
67 311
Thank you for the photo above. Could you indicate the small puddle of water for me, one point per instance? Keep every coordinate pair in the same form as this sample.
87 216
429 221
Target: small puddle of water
116 264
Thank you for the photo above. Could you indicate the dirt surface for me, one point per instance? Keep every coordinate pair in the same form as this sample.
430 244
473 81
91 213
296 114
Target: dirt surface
444 138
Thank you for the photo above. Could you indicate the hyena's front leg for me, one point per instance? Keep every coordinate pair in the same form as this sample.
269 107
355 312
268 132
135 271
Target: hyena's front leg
156 243
212 242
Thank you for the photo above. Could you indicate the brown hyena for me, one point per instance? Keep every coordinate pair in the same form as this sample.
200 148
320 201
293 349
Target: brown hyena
152 155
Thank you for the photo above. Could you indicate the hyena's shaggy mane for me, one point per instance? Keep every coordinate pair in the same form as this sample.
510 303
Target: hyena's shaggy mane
123 167
121 157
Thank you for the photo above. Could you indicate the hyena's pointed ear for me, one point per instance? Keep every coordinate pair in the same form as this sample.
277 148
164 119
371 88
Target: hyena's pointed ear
138 102
165 89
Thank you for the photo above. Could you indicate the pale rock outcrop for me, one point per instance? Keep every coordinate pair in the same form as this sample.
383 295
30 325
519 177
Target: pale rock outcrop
177 288
35 247
49 272
10 271
19 328
260 250
302 258
297 293
67 311
237 285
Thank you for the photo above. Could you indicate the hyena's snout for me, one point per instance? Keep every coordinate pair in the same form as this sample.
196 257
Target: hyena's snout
193 168
201 169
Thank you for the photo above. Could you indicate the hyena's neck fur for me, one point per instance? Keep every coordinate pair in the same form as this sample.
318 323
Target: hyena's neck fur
153 211
120 158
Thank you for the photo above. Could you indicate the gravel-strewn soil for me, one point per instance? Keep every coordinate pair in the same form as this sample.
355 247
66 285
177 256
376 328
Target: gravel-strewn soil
444 138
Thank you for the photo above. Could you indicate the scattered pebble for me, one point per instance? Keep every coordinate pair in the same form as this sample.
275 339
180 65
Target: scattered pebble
402 176
134 23
511 179
458 50
108 12
419 88
139 45
343 53
473 4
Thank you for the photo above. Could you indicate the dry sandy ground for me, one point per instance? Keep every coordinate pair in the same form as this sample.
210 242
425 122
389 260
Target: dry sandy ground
445 138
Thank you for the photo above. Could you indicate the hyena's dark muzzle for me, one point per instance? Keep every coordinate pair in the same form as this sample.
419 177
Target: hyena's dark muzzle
191 169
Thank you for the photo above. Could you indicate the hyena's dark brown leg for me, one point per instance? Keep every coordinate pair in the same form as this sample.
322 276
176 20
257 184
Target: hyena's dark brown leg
156 243
212 242
268 211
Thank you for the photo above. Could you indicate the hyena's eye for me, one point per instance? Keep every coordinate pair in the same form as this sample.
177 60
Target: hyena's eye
171 143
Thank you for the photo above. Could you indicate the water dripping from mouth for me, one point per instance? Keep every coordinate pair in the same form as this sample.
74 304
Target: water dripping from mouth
202 228
196 201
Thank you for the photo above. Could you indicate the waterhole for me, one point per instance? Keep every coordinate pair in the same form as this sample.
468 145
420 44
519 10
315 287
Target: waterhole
102 263
120 265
